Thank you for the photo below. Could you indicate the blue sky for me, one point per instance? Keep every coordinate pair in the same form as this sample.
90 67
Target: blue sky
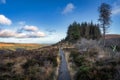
46 21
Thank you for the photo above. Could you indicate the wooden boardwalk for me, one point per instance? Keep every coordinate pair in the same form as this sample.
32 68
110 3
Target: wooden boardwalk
63 71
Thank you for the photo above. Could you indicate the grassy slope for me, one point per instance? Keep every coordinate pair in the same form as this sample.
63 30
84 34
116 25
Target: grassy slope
95 63
36 64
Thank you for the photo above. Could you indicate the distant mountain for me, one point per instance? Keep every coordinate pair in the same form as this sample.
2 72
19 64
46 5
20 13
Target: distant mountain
112 39
111 36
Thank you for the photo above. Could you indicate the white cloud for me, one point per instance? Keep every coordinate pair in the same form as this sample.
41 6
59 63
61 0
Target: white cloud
20 35
10 33
4 20
116 11
21 23
44 40
116 8
39 34
23 31
5 33
36 34
69 8
30 28
3 1
31 37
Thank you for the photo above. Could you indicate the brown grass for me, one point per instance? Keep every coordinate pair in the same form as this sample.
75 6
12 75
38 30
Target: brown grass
14 46
40 64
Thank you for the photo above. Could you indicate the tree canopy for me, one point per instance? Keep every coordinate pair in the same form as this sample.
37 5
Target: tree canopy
83 30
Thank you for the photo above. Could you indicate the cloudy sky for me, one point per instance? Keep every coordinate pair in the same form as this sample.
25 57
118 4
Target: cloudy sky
46 21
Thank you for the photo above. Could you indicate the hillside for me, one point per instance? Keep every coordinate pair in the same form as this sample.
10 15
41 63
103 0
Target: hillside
36 64
113 40
13 46
110 36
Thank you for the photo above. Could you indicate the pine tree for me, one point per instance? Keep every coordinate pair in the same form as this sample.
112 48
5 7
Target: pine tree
104 18
73 32
83 30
